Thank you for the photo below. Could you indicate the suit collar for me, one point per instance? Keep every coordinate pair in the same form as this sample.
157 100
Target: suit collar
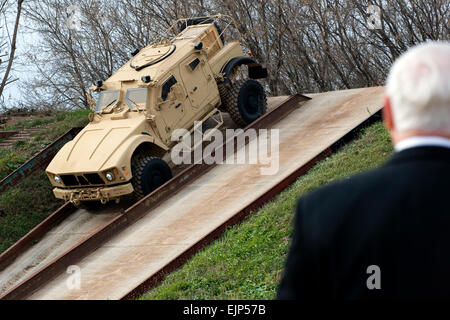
422 141
424 153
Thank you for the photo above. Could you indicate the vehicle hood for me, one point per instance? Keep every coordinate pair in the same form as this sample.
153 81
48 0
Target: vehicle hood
92 147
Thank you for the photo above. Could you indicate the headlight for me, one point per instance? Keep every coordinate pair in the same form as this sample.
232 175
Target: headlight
57 179
109 176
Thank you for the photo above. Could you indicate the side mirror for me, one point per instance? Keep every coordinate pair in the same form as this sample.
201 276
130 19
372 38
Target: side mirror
198 45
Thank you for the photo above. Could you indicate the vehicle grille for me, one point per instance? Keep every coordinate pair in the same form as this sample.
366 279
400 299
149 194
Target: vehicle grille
82 180
71 180
94 178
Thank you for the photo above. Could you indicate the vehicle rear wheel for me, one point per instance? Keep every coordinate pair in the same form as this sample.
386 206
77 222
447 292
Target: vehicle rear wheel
148 174
244 100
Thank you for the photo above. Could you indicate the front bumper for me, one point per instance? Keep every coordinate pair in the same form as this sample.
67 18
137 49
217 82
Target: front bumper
103 194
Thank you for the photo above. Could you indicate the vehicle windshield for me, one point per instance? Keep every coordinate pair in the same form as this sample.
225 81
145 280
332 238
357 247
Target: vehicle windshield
136 98
107 99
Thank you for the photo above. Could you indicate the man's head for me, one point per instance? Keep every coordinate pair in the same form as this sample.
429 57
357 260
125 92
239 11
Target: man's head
417 101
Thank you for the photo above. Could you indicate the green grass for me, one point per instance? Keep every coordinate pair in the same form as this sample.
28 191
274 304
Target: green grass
25 205
33 123
246 262
62 118
9 161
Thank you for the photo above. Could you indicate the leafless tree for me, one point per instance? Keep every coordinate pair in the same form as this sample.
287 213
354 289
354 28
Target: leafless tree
307 45
8 43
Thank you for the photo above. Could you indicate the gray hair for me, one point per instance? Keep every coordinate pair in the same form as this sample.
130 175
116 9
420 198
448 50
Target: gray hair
419 88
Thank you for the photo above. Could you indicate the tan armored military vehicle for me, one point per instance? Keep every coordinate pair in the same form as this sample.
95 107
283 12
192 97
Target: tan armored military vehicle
190 76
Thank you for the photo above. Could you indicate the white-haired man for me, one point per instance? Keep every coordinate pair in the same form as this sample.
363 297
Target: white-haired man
386 233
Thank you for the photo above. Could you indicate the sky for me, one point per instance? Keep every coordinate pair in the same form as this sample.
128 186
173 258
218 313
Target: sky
21 69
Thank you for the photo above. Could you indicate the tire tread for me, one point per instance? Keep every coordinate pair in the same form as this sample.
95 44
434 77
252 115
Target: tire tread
229 94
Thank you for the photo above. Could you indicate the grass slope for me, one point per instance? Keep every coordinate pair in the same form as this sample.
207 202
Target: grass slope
31 201
247 261
13 157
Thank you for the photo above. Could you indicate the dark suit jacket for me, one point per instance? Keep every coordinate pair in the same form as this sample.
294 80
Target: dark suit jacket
396 217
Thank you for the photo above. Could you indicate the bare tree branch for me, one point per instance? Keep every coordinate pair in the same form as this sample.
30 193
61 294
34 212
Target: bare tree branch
12 47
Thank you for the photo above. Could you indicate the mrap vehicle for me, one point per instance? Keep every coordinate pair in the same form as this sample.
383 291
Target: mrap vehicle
190 76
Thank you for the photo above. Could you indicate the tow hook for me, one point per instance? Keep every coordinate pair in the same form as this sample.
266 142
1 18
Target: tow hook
74 199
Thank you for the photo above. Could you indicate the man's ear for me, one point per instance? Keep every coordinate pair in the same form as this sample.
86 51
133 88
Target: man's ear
387 114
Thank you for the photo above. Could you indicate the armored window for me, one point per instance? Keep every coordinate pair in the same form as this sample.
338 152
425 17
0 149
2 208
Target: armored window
136 98
107 99
166 87
194 64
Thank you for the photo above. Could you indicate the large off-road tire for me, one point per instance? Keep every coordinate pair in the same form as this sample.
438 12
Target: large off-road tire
244 100
148 174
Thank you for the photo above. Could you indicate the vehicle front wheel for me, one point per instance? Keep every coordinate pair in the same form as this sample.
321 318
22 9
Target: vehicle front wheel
148 174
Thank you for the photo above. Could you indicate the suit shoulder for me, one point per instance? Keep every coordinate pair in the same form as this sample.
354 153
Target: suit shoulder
342 191
327 208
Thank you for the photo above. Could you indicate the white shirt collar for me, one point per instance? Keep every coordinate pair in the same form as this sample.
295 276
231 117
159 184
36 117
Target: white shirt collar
428 141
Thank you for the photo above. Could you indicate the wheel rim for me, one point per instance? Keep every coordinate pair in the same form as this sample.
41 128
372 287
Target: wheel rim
156 173
252 103
156 179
